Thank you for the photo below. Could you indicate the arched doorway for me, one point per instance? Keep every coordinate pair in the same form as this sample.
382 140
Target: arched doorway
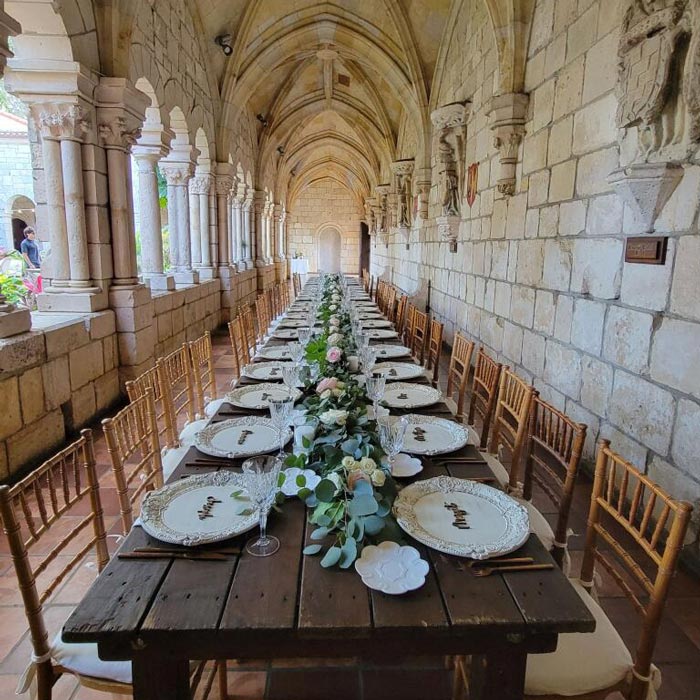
329 247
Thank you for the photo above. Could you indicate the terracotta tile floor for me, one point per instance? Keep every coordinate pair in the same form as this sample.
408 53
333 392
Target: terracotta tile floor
677 652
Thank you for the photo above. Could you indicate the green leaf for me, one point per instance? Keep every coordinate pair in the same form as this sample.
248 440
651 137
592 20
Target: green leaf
331 558
362 505
383 509
312 549
363 488
325 490
348 553
374 524
319 533
324 520
349 446
281 478
304 493
301 480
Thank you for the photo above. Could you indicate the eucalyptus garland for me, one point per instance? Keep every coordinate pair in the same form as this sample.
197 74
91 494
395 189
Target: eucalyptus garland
351 505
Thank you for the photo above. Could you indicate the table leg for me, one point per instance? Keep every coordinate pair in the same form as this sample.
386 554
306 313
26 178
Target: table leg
158 677
504 675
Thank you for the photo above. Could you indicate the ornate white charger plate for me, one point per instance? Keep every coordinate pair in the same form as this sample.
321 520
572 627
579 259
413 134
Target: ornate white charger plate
276 352
380 333
391 351
398 371
286 334
366 304
172 513
265 371
403 395
439 435
376 323
369 315
225 439
461 517
257 396
292 323
391 568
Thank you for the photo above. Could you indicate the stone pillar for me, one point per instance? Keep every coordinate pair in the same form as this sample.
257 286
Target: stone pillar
200 187
195 231
213 241
152 271
224 181
248 235
237 226
258 221
178 172
507 114
278 218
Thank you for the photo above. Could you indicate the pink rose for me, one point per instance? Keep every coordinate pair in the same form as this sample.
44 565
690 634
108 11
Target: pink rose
334 354
326 383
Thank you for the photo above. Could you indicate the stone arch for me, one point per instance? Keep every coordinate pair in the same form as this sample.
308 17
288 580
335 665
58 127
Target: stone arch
204 159
179 126
18 208
155 113
329 243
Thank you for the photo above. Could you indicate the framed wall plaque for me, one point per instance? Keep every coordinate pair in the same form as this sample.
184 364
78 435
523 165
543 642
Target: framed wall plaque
646 250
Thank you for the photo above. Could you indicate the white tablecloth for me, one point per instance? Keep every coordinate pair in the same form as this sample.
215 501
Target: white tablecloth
300 266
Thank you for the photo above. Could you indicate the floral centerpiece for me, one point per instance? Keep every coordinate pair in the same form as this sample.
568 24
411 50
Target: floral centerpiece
351 505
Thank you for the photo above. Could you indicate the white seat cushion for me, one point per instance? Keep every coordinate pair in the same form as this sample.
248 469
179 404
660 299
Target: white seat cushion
191 429
213 406
539 524
499 471
582 663
171 459
83 659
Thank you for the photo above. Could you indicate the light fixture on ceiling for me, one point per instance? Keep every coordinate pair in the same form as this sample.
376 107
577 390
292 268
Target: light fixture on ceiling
224 41
280 150
261 118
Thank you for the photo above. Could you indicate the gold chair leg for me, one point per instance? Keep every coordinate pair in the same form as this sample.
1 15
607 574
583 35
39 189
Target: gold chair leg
223 680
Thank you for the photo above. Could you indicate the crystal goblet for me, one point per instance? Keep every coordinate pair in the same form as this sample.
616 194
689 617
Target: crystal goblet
281 415
374 386
263 475
392 430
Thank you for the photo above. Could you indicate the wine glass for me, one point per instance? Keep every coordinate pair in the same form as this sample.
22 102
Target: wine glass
374 387
368 357
362 340
314 371
281 415
296 352
263 473
290 376
304 335
392 430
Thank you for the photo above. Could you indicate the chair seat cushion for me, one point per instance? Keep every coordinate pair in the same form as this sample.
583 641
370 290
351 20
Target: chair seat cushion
213 406
499 471
83 659
582 663
539 524
191 429
172 458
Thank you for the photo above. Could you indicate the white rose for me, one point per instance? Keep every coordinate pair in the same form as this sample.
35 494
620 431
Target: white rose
348 462
332 307
334 416
337 392
378 477
326 394
335 338
368 465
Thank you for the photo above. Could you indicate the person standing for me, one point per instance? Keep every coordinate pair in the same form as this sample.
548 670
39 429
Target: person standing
30 250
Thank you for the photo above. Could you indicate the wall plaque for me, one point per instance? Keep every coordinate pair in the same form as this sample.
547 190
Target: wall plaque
646 250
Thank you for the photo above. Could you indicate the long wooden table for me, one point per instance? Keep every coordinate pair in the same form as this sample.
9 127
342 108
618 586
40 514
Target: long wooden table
160 614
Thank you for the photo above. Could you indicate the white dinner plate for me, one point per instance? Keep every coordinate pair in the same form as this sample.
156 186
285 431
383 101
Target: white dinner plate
240 437
276 352
376 323
462 517
199 509
390 568
292 323
430 435
257 396
391 351
286 334
380 334
398 371
403 395
265 371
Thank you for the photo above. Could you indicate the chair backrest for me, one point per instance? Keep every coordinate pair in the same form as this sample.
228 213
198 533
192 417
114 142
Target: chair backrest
408 325
177 389
642 513
510 420
136 388
391 304
432 360
400 314
371 290
419 335
203 376
248 325
458 372
487 375
239 343
552 458
296 281
261 312
134 450
29 510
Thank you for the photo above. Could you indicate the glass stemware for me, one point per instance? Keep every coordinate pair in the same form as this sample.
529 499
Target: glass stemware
362 340
368 358
304 335
392 430
281 416
374 387
290 377
263 475
296 352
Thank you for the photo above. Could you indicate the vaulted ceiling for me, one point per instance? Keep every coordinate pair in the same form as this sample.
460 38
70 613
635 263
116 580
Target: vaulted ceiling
336 85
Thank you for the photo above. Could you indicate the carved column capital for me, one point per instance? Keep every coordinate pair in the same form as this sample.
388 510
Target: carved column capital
507 115
201 184
115 133
224 184
176 174
61 121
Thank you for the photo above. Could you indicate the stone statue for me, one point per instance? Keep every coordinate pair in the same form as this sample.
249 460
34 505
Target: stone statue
449 182
659 43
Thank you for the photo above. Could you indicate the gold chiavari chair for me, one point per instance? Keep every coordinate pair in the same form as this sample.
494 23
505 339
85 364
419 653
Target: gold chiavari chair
635 533
391 304
371 290
50 496
239 343
252 338
177 389
263 318
205 392
432 360
408 325
419 335
134 450
509 431
296 281
487 375
552 458
458 375
400 314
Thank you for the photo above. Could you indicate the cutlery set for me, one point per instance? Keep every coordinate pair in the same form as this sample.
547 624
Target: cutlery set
485 567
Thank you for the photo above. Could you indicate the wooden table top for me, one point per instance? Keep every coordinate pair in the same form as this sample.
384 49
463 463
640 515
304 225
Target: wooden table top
287 605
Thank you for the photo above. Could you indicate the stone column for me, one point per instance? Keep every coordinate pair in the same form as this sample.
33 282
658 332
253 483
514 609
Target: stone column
248 230
146 158
237 227
195 231
224 181
507 115
213 241
278 218
200 187
258 221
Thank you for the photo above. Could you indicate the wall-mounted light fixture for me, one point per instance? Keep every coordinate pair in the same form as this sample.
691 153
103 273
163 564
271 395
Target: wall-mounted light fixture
280 150
224 41
261 118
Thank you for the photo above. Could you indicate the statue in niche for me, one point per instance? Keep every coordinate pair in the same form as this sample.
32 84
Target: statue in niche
449 182
404 204
659 76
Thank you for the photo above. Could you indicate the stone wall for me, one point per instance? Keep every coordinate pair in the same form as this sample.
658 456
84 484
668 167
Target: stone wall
15 179
325 203
539 279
